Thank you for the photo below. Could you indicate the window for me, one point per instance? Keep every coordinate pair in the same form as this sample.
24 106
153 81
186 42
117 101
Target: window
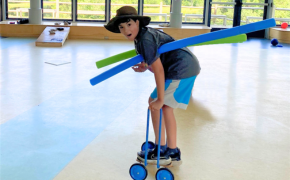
192 11
116 4
17 8
1 10
222 15
281 11
228 13
158 10
92 10
230 1
251 13
253 1
57 9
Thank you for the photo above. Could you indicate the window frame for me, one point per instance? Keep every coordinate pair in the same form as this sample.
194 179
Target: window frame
156 22
1 11
106 13
206 14
203 19
71 19
109 9
6 13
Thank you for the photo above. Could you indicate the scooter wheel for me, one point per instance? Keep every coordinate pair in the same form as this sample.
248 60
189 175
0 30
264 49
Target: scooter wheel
138 171
164 173
151 145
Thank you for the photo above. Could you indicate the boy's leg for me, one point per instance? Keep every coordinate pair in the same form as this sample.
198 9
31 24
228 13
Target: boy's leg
152 154
170 124
155 115
171 131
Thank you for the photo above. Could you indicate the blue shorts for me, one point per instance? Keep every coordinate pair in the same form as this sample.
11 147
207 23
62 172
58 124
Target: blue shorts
177 92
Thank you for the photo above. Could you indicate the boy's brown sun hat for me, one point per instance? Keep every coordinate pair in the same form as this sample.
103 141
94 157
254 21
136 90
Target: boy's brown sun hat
126 12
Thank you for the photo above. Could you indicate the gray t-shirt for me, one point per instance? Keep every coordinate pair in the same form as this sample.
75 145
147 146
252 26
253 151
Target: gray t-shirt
177 64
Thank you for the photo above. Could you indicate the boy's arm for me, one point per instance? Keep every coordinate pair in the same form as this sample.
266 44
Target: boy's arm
158 70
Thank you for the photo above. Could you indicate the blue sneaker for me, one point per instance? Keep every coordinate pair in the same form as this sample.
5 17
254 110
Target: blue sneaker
175 155
152 157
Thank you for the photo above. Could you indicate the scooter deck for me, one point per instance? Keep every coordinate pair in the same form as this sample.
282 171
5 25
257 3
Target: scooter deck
167 166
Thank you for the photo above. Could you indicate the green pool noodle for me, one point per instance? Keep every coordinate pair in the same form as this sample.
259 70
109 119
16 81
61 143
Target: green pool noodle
128 54
116 58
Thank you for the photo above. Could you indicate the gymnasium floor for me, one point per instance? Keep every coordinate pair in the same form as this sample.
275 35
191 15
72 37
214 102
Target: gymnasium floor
55 125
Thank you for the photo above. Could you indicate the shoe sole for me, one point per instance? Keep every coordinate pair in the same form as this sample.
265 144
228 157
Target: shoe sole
163 165
171 164
154 162
176 163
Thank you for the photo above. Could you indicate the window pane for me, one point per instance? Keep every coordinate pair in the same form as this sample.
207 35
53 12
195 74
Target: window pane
281 11
91 10
116 4
192 11
253 1
57 9
223 0
1 11
222 15
158 10
18 9
251 13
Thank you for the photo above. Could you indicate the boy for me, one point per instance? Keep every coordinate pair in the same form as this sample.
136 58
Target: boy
174 73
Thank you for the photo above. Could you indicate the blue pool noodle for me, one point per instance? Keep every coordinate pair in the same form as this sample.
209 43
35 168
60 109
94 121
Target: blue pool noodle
187 42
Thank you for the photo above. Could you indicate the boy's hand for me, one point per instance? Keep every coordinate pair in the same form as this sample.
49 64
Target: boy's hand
156 105
140 67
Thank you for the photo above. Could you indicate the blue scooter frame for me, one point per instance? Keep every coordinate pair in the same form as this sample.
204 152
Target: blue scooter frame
138 171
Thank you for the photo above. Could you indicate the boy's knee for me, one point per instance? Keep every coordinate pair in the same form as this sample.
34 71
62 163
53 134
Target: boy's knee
150 100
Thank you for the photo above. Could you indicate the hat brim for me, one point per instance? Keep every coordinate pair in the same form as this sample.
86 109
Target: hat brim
113 26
